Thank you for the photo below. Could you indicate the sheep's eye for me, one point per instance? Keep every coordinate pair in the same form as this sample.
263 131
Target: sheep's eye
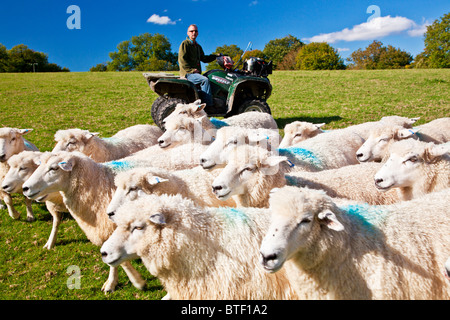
297 135
183 112
382 140
131 189
137 228
412 159
53 168
305 220
231 142
22 169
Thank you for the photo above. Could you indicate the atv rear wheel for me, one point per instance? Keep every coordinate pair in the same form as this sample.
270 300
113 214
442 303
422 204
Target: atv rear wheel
164 108
155 106
254 105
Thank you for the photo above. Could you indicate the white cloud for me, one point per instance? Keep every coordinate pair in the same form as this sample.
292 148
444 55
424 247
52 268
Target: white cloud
253 3
164 20
419 30
374 29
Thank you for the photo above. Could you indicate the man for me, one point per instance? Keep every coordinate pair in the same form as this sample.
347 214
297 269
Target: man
190 55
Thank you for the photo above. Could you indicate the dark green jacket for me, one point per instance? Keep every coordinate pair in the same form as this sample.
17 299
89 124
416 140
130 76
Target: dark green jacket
190 55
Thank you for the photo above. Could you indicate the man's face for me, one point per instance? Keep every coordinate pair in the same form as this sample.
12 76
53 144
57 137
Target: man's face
192 33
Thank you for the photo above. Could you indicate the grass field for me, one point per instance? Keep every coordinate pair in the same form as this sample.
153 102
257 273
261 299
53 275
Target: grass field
108 102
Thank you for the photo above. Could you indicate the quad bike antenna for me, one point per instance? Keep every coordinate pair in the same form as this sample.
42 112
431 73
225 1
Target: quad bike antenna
249 46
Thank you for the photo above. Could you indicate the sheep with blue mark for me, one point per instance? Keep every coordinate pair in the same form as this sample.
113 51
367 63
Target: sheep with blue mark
196 252
415 168
330 250
246 120
12 142
122 144
298 131
190 183
21 167
86 187
376 146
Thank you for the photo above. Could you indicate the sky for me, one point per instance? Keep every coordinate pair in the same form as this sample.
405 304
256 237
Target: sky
83 37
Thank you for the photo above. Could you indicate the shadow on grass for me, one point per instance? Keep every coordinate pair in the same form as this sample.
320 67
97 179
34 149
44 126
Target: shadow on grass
282 122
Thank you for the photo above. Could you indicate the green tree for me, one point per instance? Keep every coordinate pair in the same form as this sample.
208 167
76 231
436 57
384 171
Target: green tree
319 56
233 51
277 49
437 43
145 52
376 56
4 58
99 67
20 58
289 61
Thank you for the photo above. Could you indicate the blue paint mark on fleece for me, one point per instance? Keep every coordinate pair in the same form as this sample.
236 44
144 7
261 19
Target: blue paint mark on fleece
370 216
120 166
296 153
112 140
233 215
218 123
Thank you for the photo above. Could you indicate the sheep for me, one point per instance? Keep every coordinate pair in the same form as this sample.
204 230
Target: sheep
415 168
447 269
86 187
246 120
184 156
380 138
196 252
358 251
248 177
353 182
21 166
297 131
12 142
328 150
122 144
191 183
364 129
228 138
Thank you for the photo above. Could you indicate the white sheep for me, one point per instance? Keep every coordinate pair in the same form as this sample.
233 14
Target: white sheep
251 172
12 142
227 138
376 145
122 144
297 131
328 150
415 168
196 252
21 167
246 120
192 183
86 187
364 129
359 251
355 182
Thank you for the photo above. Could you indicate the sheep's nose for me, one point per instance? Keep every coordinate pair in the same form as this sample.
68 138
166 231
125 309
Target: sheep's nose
359 155
104 254
268 258
160 141
25 189
5 187
2 157
217 188
202 160
378 180
111 214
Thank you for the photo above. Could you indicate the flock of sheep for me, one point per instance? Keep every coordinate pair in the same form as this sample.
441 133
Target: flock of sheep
228 209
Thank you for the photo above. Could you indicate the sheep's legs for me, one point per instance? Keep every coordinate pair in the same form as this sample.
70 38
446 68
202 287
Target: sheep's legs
112 281
30 215
133 275
9 204
56 221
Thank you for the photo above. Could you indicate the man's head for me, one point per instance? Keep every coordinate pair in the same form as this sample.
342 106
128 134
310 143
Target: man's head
192 32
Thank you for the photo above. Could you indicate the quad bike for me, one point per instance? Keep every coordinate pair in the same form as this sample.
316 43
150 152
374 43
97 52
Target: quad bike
234 91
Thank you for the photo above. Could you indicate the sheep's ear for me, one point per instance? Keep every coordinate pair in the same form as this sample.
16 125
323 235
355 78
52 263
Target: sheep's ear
24 131
319 125
274 160
89 135
158 218
413 120
66 165
433 151
406 133
154 180
329 219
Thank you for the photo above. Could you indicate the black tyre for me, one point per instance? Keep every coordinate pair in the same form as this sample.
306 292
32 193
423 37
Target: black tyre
165 107
156 104
254 105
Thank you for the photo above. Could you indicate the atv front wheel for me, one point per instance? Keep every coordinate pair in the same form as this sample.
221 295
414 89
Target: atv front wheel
163 109
254 105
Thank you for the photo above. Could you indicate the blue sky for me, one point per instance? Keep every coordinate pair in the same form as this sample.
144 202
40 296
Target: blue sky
42 24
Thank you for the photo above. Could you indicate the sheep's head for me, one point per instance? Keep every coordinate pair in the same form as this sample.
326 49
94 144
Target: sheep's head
73 140
191 110
375 148
248 172
52 175
21 167
11 142
130 185
298 131
181 130
406 159
298 218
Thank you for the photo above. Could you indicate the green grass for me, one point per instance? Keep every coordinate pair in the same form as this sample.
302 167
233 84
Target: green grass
108 102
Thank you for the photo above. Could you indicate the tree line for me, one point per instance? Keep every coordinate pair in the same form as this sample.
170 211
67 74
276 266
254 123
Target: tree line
20 58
